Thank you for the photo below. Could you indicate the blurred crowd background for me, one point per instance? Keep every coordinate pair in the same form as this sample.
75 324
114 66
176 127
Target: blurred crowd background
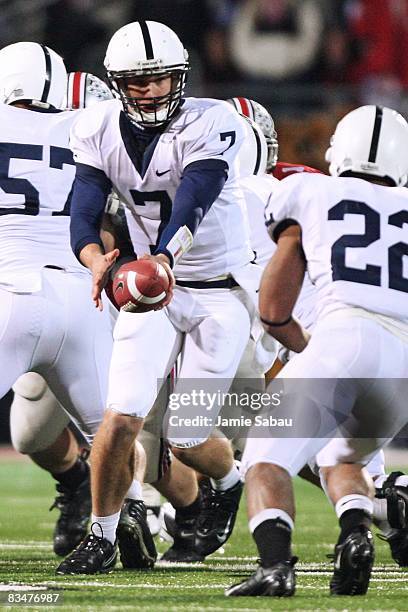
307 61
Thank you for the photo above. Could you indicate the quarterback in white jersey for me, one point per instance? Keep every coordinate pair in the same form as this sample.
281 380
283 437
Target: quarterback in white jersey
104 139
38 422
349 233
173 163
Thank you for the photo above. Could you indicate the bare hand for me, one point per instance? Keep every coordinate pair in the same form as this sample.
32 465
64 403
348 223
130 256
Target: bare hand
163 260
101 264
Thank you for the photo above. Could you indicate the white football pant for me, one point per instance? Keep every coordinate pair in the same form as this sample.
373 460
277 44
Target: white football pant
59 334
209 327
354 371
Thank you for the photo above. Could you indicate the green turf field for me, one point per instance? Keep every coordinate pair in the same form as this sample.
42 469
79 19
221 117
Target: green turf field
26 558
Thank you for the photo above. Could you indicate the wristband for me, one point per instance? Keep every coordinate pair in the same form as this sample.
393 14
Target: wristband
276 324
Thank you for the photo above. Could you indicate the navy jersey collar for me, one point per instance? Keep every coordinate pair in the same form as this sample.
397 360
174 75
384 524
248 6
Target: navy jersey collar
140 144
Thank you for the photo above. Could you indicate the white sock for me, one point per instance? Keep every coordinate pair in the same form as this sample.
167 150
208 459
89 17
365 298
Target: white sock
135 490
105 526
380 509
228 481
151 496
268 514
354 502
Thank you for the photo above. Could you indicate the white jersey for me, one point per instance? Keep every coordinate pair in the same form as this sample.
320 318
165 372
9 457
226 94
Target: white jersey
355 239
257 190
204 129
36 175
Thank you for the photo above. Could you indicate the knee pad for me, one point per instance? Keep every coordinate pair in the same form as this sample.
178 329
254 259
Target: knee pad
31 386
36 421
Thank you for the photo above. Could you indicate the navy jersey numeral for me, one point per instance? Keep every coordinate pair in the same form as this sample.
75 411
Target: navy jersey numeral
396 254
11 150
231 136
58 157
371 274
140 198
20 186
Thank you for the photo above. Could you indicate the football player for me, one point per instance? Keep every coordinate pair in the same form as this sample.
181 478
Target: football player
359 300
43 313
38 423
173 162
391 501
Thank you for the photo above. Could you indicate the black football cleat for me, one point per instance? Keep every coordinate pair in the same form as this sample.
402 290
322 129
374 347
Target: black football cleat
353 561
136 545
398 543
94 555
279 580
182 549
75 507
397 515
216 519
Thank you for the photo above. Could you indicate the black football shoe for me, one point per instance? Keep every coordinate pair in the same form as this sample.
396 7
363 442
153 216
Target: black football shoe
353 561
75 507
94 555
397 516
182 549
398 543
216 519
136 544
279 580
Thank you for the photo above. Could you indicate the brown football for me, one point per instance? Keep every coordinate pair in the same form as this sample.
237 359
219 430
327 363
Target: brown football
140 285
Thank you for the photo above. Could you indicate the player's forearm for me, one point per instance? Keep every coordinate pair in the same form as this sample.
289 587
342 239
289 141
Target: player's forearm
201 184
89 194
89 254
292 335
282 278
280 287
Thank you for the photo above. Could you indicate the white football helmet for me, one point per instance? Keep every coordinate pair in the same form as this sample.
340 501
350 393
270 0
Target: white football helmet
32 73
143 49
85 89
372 141
258 113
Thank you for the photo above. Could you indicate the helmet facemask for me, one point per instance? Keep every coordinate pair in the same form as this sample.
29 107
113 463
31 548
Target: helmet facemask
273 149
151 111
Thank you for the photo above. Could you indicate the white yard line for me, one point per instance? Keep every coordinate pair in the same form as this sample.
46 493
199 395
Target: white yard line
29 544
68 582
